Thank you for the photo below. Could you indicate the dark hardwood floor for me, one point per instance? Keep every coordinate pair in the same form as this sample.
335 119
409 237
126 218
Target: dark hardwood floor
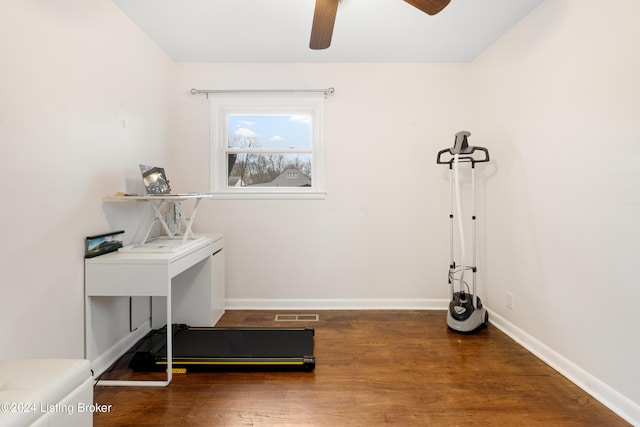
402 368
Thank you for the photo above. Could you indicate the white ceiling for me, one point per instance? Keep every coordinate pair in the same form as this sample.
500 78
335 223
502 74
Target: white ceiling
365 30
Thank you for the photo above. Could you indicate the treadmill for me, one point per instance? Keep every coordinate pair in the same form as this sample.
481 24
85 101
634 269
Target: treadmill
226 349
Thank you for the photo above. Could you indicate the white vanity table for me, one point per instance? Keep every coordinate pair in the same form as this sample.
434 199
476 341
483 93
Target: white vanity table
188 272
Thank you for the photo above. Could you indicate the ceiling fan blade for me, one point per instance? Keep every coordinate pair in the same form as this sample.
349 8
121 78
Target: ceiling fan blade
430 7
324 17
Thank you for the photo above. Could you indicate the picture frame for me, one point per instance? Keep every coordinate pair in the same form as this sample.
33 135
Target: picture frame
103 243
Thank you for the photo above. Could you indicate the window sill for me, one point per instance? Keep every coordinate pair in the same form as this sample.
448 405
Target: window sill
281 195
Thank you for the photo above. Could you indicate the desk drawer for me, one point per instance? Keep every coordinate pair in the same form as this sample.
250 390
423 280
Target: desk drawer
126 280
179 265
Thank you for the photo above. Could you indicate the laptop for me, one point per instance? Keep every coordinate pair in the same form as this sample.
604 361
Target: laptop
155 180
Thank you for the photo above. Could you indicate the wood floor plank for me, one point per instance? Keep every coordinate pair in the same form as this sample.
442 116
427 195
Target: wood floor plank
373 367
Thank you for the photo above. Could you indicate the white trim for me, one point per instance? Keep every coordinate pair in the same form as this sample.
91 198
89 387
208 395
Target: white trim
115 352
336 304
281 195
605 394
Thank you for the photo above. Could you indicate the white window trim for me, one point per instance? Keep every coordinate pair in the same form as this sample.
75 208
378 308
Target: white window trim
223 105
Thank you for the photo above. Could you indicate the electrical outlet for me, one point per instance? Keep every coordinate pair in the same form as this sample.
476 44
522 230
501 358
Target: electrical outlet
509 300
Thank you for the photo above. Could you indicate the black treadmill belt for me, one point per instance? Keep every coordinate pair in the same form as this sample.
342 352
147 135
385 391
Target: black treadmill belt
232 342
227 349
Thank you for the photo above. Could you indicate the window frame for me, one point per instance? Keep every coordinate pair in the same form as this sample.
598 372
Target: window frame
263 104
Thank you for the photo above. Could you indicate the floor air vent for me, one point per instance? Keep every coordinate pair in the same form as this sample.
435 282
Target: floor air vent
297 317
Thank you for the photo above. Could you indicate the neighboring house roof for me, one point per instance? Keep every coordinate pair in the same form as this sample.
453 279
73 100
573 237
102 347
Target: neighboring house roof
290 177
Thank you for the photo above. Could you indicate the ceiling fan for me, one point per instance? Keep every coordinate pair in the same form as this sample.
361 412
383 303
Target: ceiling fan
324 17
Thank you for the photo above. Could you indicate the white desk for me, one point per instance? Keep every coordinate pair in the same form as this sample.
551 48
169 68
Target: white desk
201 296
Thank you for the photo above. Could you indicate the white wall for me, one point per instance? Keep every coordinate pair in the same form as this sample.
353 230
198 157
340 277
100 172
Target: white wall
380 237
559 101
84 97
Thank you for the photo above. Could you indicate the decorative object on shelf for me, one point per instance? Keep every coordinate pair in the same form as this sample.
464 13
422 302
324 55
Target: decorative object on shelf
103 243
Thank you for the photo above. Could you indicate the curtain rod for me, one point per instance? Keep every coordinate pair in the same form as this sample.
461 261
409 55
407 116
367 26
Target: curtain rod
327 92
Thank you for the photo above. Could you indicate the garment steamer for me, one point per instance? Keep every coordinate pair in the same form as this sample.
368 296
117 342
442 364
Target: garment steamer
466 313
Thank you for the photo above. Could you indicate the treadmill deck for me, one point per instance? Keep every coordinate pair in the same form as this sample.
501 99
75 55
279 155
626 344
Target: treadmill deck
227 349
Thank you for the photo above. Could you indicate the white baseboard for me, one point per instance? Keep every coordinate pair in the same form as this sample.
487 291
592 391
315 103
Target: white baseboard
605 394
103 361
336 304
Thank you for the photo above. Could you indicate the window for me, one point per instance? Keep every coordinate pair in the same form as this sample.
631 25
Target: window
267 146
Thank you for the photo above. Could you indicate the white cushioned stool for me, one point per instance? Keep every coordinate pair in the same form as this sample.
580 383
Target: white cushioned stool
46 392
